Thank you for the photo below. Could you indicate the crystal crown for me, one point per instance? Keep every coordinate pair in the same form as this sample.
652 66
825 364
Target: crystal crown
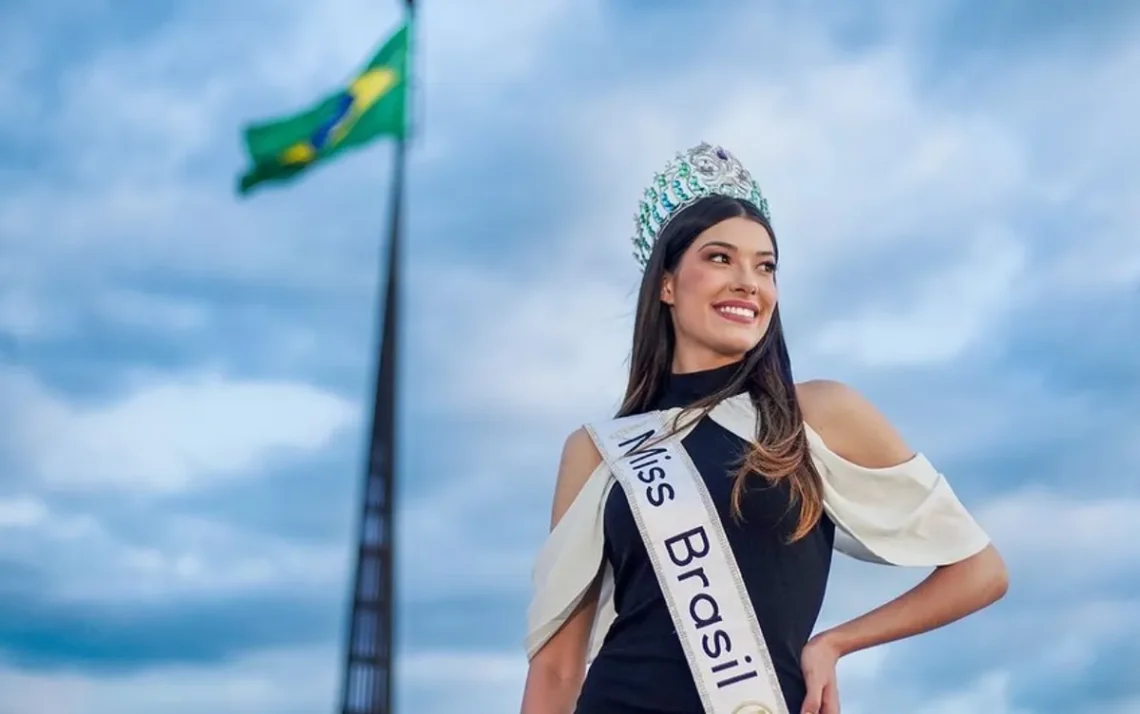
704 170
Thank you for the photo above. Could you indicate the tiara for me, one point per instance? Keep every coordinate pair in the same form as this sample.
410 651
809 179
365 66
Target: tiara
703 170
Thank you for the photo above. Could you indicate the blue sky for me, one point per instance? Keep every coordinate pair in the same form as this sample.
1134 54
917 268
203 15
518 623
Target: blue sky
183 374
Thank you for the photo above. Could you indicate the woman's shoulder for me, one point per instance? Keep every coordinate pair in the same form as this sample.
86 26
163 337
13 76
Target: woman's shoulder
579 451
850 425
580 458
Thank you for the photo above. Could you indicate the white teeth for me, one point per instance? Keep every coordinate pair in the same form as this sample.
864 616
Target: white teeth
742 311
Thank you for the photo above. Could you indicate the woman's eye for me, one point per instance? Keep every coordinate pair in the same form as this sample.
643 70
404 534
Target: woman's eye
719 257
768 267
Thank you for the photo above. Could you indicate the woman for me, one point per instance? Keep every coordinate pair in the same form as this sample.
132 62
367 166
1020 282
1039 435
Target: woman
694 585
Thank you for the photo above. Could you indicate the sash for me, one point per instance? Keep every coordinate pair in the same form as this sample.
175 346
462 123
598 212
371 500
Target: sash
695 567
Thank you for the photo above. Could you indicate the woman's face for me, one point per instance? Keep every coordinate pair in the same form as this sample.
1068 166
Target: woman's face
722 294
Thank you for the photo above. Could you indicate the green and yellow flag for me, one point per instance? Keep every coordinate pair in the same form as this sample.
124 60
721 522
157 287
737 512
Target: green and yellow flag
371 105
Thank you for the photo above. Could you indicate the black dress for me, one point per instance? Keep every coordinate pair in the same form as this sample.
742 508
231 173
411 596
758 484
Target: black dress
641 668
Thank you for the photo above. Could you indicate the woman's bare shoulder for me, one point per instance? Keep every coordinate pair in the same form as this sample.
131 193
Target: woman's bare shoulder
850 424
579 460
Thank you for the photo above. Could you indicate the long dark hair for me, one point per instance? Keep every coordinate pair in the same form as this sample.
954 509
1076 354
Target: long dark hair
780 450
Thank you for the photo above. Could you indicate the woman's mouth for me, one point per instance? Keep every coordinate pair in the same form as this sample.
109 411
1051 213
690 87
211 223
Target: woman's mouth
737 312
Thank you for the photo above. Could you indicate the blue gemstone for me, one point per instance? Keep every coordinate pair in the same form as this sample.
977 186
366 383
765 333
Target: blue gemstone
721 154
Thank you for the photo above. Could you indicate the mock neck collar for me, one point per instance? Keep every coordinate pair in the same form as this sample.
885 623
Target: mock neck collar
683 389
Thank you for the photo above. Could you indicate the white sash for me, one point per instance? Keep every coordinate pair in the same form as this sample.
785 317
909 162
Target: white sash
694 564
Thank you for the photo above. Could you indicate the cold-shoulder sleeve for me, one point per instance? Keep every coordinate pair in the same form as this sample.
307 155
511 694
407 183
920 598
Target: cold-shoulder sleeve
900 515
567 565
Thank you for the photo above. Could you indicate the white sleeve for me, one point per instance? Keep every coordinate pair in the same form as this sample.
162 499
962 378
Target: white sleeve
899 515
568 563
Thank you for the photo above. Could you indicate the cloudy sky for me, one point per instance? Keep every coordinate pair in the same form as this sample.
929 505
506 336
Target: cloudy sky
183 375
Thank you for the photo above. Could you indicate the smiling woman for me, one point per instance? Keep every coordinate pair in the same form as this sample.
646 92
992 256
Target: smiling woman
686 591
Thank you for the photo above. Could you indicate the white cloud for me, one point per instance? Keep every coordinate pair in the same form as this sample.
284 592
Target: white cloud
22 512
26 314
472 681
147 311
128 196
293 681
949 313
427 681
83 558
1097 539
170 435
532 349
814 132
452 51
1079 123
863 164
433 680
149 162
989 694
288 682
1090 543
851 155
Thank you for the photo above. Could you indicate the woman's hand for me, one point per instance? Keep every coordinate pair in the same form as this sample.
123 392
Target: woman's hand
818 662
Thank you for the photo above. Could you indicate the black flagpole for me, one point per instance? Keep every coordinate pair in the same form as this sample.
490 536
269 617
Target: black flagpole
369 658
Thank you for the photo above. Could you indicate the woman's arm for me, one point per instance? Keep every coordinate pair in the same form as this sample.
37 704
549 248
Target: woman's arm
857 431
558 668
950 593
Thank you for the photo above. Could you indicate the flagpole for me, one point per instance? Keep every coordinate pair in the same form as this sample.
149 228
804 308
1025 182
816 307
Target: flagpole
368 676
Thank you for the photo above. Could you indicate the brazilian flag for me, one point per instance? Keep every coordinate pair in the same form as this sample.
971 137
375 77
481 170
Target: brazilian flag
370 106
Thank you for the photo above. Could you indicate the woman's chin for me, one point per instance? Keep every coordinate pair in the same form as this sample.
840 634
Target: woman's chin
721 346
738 343
733 349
